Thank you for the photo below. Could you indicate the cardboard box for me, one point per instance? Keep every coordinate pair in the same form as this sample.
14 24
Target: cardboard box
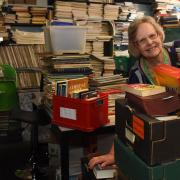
136 169
155 105
155 141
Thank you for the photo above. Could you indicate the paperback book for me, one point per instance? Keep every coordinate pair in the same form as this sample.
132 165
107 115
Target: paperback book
105 172
143 89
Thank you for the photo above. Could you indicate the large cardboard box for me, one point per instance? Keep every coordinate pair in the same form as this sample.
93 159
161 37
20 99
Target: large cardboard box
155 141
135 169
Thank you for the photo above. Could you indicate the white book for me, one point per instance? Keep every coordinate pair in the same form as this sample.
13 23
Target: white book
143 89
106 172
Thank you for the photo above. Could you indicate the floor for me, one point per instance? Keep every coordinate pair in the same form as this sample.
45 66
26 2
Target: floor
15 156
12 156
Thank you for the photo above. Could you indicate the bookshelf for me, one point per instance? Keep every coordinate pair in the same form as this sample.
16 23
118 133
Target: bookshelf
25 60
25 39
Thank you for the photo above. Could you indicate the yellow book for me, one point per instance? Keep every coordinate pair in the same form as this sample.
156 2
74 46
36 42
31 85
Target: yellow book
143 89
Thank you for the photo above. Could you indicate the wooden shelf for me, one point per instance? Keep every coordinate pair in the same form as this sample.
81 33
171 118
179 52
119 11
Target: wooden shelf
24 24
27 5
26 69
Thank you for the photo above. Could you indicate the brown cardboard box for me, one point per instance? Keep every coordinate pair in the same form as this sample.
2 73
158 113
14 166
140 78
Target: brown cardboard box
135 169
156 105
155 141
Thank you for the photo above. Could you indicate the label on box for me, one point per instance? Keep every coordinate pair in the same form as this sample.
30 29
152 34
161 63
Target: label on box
138 127
68 113
129 135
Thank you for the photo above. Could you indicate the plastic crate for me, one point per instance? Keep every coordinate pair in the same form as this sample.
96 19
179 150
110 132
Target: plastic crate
65 39
123 64
80 114
134 168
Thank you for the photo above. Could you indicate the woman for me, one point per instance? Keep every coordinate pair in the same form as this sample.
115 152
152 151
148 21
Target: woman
146 44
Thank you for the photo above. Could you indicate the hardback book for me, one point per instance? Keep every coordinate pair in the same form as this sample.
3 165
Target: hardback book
105 172
143 89
77 84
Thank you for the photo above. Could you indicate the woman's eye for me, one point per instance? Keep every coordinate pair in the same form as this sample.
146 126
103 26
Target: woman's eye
142 41
153 36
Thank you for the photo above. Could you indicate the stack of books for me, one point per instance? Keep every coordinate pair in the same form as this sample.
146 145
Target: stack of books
151 99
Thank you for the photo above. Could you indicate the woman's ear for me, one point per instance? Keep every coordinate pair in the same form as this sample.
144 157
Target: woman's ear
161 37
136 49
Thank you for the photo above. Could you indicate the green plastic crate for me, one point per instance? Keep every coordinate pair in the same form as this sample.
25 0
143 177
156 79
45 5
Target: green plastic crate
123 64
136 169
8 91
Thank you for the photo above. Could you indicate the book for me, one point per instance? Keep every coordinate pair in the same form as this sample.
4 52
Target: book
105 172
168 76
77 84
143 89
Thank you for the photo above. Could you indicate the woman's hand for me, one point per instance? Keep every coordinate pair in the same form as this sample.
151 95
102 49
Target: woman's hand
104 160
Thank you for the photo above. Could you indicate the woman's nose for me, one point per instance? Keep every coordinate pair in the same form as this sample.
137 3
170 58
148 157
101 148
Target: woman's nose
148 40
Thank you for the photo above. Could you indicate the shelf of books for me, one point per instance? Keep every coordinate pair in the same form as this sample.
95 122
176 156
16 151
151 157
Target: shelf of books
167 15
24 59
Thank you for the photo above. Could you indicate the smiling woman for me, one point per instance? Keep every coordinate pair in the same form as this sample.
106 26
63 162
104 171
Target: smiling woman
146 38
146 43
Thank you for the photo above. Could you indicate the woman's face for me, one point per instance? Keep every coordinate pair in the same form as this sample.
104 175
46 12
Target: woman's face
148 42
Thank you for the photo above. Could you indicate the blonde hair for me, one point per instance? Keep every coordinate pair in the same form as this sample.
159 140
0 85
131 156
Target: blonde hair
132 30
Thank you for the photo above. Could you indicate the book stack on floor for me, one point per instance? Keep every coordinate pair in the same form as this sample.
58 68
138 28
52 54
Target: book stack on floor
147 133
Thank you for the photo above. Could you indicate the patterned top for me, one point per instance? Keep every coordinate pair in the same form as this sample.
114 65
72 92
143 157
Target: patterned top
137 75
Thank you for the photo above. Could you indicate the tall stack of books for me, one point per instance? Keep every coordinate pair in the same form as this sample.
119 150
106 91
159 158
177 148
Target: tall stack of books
167 12
97 65
95 11
111 12
26 15
63 11
79 11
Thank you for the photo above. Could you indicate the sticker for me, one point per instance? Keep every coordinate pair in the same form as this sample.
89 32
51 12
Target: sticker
138 127
129 135
68 113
